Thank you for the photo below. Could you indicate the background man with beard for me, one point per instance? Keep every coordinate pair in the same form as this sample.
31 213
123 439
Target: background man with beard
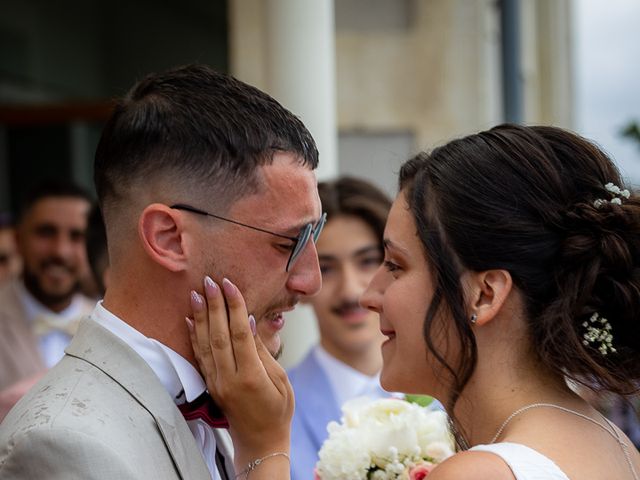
40 310
200 179
347 362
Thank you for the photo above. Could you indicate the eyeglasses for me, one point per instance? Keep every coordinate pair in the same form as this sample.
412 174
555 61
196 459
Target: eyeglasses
307 232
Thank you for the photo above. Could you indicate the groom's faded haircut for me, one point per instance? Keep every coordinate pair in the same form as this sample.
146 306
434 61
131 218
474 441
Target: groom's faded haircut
197 131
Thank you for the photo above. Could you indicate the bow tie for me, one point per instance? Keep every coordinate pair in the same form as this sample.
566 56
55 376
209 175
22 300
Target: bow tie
205 409
46 323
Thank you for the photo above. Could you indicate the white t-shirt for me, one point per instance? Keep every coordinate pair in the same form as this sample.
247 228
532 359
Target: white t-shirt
348 383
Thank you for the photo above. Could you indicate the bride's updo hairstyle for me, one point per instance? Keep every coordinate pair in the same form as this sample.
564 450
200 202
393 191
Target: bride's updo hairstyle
549 207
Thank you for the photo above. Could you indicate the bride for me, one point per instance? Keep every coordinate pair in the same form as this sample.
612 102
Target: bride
512 271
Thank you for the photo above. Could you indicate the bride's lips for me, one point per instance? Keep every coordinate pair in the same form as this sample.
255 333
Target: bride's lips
390 334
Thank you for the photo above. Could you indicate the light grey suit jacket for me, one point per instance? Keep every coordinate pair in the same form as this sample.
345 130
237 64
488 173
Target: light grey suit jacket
101 413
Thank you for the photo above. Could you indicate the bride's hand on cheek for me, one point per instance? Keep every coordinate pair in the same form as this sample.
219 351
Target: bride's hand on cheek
250 387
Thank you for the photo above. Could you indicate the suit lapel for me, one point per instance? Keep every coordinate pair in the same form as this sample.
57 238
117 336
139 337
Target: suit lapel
96 345
315 399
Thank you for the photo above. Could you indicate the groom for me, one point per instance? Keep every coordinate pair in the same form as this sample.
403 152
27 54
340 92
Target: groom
197 174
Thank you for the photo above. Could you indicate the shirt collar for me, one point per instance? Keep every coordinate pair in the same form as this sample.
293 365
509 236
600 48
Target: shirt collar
347 382
34 308
179 378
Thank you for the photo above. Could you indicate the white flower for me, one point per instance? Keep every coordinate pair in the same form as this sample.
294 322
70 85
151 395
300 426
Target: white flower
383 439
599 337
616 193
612 188
439 451
379 475
352 410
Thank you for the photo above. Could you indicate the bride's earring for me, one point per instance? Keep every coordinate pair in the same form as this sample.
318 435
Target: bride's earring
474 318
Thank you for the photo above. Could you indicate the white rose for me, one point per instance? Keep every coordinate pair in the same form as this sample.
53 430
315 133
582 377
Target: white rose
341 456
439 451
383 410
389 434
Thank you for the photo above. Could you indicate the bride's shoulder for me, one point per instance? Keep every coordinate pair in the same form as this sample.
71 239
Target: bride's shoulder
472 464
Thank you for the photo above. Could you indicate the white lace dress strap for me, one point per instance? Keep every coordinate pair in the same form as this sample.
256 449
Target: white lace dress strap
524 462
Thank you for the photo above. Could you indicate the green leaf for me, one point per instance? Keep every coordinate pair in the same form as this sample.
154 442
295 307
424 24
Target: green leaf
422 400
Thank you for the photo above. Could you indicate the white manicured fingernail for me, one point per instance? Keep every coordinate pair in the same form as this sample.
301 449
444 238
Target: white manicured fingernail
228 287
210 287
252 324
197 302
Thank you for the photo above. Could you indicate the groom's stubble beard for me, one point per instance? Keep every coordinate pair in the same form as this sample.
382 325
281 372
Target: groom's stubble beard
211 267
278 354
265 341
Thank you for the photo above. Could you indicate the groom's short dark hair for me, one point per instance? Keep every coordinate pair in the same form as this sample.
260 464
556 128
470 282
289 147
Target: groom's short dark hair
203 131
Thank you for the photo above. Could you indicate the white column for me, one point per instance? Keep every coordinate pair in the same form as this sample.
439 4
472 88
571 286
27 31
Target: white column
300 68
300 73
287 48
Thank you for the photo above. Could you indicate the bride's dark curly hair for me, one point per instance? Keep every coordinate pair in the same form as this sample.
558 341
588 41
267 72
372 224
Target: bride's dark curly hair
522 199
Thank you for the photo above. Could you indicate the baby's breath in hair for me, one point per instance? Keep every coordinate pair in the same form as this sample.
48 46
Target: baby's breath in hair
598 334
616 193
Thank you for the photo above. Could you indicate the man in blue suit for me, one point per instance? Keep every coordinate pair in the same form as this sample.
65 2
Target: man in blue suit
347 361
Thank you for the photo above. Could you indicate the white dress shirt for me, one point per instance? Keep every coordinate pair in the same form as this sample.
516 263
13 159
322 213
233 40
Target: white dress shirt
52 344
181 380
347 382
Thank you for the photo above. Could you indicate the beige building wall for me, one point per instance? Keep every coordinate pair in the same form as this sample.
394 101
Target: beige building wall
436 78
440 77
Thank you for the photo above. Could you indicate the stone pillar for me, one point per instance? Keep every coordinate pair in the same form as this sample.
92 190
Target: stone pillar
300 68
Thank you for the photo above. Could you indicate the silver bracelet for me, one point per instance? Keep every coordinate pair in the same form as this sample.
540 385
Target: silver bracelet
251 466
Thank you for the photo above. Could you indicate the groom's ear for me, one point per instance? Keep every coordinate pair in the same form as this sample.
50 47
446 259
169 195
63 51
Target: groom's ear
487 293
160 229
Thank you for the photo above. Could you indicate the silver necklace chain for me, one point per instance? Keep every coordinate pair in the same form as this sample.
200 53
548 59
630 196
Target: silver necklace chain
611 430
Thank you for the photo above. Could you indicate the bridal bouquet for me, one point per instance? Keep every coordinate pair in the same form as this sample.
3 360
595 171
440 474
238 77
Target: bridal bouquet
384 440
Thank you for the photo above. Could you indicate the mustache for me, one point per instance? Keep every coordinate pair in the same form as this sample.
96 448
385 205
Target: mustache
278 354
346 306
285 305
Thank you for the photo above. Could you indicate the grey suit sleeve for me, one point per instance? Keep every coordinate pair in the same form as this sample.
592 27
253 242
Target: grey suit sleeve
61 454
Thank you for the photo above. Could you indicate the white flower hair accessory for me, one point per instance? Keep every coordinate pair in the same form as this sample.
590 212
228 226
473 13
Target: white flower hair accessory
616 192
598 333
